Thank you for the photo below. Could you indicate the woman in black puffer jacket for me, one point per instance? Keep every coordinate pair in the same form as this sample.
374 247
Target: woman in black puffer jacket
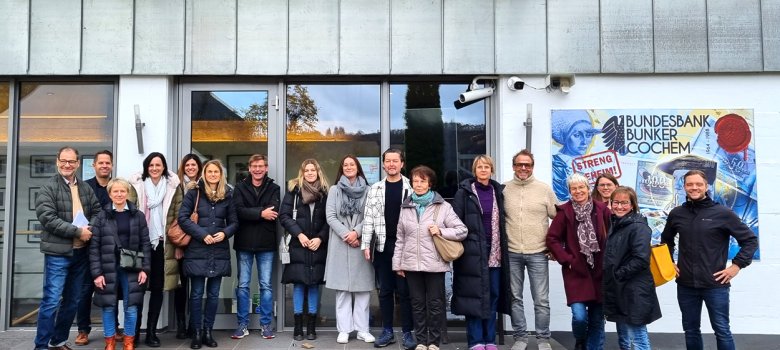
119 225
303 217
207 257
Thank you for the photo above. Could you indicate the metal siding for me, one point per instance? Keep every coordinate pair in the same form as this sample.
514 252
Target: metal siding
469 30
770 20
521 37
734 35
314 37
211 37
55 37
680 37
14 31
365 37
107 37
262 37
416 37
159 37
573 36
626 36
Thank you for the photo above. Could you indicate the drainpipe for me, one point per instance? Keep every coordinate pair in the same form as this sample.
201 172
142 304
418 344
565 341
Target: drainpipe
528 126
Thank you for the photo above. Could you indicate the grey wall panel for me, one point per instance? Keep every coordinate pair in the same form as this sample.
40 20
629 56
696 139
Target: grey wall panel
469 45
770 20
107 37
262 37
573 36
521 36
210 37
416 36
314 37
55 37
159 37
680 38
734 35
626 36
14 32
365 37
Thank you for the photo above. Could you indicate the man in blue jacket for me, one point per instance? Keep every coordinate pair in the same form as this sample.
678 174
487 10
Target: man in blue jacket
704 229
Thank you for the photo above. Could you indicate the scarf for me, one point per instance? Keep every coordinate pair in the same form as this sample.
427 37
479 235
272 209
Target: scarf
421 202
586 234
311 192
154 208
494 259
354 194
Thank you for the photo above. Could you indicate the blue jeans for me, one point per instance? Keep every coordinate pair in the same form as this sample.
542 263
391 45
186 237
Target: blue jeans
483 331
299 290
265 265
587 324
632 334
717 301
390 285
131 312
63 276
198 318
539 278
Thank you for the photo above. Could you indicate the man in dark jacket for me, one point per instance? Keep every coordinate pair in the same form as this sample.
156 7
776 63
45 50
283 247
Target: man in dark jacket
257 204
61 202
704 229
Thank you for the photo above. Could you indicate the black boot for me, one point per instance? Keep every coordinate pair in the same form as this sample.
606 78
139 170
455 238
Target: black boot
196 339
311 323
181 326
580 345
208 340
151 331
298 330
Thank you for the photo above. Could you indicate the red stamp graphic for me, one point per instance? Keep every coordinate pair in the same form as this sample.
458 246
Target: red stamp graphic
593 165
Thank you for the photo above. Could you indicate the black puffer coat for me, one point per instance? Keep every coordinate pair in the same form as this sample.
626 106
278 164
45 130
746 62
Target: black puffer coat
255 234
201 259
103 255
628 288
470 286
306 266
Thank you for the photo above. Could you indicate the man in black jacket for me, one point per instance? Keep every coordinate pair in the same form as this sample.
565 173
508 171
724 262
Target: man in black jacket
705 227
257 204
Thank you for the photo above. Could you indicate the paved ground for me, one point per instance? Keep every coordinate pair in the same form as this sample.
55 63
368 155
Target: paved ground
22 339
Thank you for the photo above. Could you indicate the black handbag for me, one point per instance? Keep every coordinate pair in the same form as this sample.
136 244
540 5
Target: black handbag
131 260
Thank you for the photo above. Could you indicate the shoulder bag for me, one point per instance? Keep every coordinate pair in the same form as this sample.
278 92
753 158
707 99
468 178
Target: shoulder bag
129 260
449 250
284 244
176 235
661 264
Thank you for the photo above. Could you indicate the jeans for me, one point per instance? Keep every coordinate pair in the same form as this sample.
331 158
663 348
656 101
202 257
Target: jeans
587 324
131 312
483 331
632 334
63 276
426 290
538 268
84 310
717 302
198 318
265 264
391 284
299 290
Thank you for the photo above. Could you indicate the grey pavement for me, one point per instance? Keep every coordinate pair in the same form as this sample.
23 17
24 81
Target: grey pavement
22 339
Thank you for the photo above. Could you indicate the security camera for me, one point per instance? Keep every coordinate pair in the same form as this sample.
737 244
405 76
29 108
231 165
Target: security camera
476 94
564 82
515 83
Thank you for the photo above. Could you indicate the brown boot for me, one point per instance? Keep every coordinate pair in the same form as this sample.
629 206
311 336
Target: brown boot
110 343
129 345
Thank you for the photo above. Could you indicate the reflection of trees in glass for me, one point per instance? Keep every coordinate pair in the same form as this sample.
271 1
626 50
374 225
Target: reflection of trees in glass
424 138
301 110
257 115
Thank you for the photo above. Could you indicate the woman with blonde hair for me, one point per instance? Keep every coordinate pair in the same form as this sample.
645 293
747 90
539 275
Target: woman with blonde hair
303 217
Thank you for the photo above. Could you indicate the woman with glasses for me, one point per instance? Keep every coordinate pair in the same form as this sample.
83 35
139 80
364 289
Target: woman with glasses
629 292
605 185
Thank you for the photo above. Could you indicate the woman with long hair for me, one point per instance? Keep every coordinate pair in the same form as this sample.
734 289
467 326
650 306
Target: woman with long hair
303 217
207 257
602 190
156 195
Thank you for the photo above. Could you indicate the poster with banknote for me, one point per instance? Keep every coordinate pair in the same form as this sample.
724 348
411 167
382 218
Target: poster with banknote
650 150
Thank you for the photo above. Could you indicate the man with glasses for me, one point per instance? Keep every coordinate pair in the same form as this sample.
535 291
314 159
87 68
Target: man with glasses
529 205
63 206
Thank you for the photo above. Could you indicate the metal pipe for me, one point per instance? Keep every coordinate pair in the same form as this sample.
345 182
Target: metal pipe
528 125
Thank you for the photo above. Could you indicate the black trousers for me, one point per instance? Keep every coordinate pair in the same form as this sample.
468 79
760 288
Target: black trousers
156 282
426 291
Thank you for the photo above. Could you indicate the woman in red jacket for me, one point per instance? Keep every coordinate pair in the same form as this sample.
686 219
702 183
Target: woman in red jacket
576 239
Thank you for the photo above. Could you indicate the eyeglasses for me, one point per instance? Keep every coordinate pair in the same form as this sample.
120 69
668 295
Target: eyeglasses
606 185
523 165
69 162
621 203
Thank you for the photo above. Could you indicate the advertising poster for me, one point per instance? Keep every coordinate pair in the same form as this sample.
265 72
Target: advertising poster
651 149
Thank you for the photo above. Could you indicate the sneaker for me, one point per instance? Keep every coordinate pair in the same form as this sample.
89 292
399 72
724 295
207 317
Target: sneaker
520 344
366 337
82 339
433 347
491 347
267 331
478 347
421 347
240 332
343 338
387 338
408 341
544 344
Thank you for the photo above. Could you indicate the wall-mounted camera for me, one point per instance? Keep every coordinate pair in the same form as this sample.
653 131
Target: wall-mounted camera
564 82
475 95
515 83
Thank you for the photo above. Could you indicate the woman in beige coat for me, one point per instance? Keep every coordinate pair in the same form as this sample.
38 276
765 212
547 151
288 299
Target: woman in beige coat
423 215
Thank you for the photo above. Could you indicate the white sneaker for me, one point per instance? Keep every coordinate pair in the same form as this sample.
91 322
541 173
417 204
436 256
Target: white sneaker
544 344
521 344
343 338
366 337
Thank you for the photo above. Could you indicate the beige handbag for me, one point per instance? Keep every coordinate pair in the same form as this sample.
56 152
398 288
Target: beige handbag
449 250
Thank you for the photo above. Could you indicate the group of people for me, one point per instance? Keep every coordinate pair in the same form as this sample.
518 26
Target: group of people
383 236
